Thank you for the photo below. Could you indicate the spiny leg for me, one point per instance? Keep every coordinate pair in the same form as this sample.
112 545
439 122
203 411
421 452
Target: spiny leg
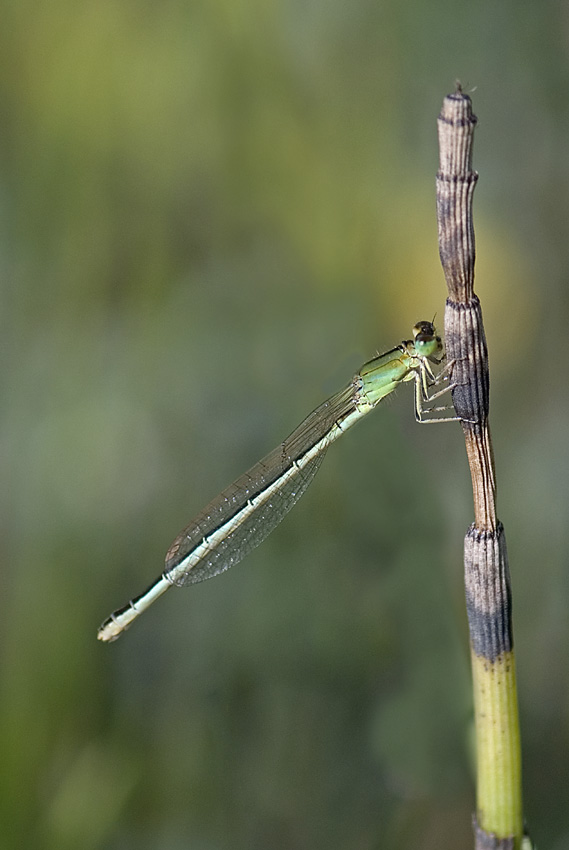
422 396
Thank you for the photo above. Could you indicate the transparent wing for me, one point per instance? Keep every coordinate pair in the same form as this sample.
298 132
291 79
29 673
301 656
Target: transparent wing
254 528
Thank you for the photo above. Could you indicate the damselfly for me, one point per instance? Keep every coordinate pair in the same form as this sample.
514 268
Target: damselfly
244 514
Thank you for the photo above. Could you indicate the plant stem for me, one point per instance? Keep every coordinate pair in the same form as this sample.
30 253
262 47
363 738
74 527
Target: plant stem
498 823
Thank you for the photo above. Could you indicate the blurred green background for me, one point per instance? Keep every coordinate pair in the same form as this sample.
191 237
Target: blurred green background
211 214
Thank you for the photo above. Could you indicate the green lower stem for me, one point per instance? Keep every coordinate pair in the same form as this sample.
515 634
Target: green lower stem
499 796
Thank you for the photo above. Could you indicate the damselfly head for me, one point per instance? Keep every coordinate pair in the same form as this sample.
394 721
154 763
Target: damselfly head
426 341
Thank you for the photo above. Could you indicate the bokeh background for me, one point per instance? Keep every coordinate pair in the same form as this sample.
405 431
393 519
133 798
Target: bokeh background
211 214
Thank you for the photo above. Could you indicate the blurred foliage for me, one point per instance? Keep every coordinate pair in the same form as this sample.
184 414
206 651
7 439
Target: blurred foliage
211 214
